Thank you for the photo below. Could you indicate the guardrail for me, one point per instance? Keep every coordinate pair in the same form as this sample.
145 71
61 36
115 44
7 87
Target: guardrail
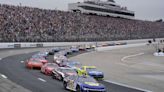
51 44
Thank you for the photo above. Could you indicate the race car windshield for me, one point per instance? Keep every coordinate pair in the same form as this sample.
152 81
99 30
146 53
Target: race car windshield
35 60
91 69
51 65
68 70
38 57
87 79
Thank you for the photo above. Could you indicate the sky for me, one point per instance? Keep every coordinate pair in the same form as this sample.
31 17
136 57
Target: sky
144 9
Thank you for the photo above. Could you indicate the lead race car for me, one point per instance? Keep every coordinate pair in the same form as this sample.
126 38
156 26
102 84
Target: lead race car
83 84
91 71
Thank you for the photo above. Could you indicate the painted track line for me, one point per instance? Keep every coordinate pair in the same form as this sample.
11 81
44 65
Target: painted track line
42 80
22 61
128 86
122 59
5 77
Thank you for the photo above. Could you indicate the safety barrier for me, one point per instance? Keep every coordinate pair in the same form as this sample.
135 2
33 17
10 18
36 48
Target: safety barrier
51 44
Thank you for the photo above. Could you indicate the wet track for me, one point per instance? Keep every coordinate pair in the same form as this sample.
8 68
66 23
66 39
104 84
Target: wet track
35 81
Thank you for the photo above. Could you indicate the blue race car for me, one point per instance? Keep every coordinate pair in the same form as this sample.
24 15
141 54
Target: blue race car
83 84
74 49
92 71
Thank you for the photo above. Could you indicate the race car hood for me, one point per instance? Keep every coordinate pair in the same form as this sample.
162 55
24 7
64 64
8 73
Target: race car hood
93 85
69 74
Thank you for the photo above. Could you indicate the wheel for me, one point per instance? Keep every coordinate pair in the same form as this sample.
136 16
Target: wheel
53 76
60 77
65 85
46 73
30 67
78 89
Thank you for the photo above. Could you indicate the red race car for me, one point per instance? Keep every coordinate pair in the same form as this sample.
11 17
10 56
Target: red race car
33 63
43 60
48 67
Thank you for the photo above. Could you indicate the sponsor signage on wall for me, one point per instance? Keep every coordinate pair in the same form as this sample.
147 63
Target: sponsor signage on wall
39 45
17 45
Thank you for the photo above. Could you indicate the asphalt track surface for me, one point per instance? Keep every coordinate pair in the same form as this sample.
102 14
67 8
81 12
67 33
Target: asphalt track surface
35 81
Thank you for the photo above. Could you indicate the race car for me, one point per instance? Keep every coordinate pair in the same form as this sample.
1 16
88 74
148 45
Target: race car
43 54
82 48
74 49
63 52
87 46
67 52
82 84
61 61
59 56
48 67
62 72
33 63
74 64
121 43
54 50
91 71
93 46
41 59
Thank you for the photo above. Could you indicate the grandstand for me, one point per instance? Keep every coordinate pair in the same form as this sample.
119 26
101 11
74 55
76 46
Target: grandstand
27 24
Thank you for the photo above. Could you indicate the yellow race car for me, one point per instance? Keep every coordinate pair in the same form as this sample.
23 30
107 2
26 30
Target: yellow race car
91 71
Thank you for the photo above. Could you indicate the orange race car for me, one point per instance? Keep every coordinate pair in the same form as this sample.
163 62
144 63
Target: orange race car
33 63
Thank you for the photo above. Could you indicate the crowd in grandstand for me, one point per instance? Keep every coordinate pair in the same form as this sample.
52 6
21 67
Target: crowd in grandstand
25 24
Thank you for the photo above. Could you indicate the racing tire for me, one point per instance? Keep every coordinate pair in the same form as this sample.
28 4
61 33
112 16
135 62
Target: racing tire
60 78
78 89
65 85
53 76
46 73
30 67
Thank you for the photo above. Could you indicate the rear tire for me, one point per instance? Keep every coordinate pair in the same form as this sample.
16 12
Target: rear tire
60 78
78 89
46 73
65 85
53 76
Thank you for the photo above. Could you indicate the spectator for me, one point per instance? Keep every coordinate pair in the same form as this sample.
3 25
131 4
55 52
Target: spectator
27 24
